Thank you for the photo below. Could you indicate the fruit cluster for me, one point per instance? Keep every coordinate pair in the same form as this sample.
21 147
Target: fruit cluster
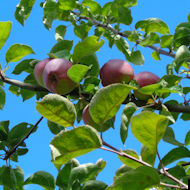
52 74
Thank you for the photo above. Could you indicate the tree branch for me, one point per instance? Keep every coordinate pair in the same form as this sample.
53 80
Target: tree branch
8 154
139 103
123 154
109 27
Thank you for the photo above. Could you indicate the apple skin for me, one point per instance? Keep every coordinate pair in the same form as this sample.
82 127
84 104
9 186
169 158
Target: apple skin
55 76
38 70
89 121
144 79
116 71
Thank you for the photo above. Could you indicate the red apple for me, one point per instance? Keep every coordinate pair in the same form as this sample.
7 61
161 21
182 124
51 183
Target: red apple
89 121
144 79
38 70
55 76
116 71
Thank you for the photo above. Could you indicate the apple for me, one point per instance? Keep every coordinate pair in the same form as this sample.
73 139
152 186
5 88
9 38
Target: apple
144 79
89 121
116 71
55 76
38 70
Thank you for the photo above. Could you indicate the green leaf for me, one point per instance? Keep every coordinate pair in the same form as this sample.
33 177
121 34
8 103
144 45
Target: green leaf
85 172
137 58
65 54
149 128
7 177
182 55
21 151
62 45
51 12
4 129
67 4
166 41
60 32
26 94
169 137
55 128
153 25
124 14
94 7
123 169
167 113
147 155
181 36
175 154
64 174
77 72
82 30
5 29
150 89
73 143
128 162
106 102
17 51
2 98
43 179
127 3
127 113
86 47
57 109
187 139
18 132
92 62
122 46
24 66
156 55
150 39
19 174
138 179
23 10
94 185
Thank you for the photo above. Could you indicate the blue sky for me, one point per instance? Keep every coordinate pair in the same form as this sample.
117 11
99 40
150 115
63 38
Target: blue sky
41 40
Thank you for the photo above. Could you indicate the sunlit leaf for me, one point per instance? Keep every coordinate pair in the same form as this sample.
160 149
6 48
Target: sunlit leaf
5 29
43 179
23 10
137 179
153 25
70 144
57 109
86 47
149 128
106 102
17 51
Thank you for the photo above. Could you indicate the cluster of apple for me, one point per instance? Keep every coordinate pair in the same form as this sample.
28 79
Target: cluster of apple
119 71
52 74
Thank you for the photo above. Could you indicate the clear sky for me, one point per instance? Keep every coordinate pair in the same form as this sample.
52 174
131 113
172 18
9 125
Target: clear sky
41 40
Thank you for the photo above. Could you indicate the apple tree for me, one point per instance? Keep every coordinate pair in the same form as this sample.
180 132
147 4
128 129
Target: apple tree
69 86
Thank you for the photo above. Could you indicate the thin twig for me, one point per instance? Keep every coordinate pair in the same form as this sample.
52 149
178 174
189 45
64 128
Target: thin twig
109 27
9 153
161 163
116 151
172 186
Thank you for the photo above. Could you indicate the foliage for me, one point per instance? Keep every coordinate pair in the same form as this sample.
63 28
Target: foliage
94 25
